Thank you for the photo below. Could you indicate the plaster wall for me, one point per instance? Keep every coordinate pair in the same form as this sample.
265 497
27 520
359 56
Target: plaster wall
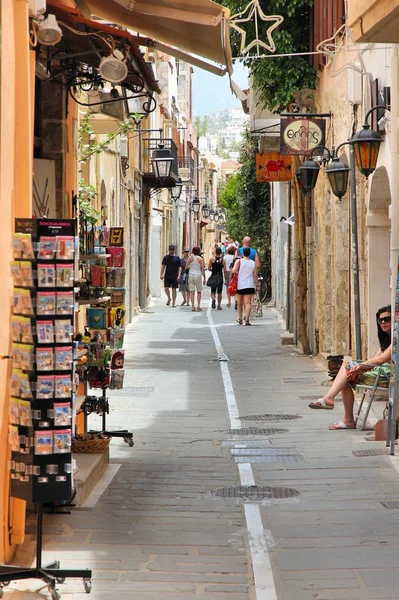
279 246
332 253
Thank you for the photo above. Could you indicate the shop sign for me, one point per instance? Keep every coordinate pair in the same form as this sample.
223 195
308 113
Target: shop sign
301 135
273 166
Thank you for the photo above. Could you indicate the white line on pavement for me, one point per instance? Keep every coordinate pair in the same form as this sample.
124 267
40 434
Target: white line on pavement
257 536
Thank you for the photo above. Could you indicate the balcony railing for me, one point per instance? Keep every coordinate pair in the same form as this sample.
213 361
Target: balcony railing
186 170
149 178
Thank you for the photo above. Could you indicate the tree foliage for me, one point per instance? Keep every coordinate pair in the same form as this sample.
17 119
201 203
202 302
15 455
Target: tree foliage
201 126
248 204
277 79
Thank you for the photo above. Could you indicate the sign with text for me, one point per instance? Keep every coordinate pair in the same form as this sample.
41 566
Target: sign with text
301 135
273 166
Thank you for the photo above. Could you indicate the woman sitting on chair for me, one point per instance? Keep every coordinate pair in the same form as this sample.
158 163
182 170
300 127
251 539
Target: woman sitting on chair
353 373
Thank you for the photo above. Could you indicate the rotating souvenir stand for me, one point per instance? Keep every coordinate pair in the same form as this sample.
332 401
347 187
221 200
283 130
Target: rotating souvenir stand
41 406
107 283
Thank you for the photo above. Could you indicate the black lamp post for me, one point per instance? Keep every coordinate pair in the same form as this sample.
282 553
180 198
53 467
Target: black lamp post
212 214
161 161
366 144
338 174
216 217
176 190
196 205
205 211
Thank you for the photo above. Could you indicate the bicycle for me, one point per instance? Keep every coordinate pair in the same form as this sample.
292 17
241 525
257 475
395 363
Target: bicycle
263 288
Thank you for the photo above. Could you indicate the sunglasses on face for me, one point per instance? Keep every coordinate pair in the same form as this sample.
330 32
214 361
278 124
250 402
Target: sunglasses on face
384 320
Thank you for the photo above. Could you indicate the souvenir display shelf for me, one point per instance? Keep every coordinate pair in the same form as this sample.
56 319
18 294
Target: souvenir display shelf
103 273
42 383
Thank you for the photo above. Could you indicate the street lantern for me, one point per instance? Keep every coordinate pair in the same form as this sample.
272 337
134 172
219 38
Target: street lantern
176 190
309 173
216 217
161 161
366 145
338 173
212 214
196 205
205 211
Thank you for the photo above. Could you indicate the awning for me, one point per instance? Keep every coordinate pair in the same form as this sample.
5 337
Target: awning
200 27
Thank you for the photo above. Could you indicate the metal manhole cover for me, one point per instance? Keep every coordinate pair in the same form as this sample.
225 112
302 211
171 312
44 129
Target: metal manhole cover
288 458
296 380
390 504
254 492
254 431
376 452
271 417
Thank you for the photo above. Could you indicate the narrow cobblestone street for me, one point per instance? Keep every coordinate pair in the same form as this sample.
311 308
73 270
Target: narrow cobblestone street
157 531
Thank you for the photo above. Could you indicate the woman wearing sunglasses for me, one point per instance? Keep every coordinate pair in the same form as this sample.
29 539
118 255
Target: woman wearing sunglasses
353 373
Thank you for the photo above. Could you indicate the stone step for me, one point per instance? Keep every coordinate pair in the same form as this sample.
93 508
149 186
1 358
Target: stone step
90 468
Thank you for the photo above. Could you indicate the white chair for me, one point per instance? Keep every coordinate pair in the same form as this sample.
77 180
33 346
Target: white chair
372 391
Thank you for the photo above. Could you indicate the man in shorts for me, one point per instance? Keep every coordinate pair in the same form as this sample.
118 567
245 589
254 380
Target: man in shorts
170 273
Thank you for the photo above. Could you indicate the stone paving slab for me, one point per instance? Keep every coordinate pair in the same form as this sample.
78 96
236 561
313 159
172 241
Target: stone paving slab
157 533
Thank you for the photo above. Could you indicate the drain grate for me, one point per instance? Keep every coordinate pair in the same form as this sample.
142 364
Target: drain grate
304 380
262 451
390 504
288 458
246 443
137 392
253 431
254 492
376 452
271 417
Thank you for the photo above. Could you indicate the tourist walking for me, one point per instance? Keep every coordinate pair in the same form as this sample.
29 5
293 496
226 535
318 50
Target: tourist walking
196 277
170 273
227 265
183 280
246 285
246 243
216 267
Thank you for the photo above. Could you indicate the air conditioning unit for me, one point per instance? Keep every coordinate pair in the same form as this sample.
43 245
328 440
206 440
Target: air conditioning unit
111 109
37 7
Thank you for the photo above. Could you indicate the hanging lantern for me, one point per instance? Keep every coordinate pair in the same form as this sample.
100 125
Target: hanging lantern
161 161
366 145
338 173
196 205
176 190
309 173
205 211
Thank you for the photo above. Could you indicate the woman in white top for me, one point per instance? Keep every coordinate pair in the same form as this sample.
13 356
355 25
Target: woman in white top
247 283
196 276
227 260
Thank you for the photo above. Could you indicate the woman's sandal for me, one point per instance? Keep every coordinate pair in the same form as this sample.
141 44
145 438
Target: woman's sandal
239 321
340 425
320 404
248 323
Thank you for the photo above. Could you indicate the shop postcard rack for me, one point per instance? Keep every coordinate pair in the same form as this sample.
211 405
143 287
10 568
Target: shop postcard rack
43 357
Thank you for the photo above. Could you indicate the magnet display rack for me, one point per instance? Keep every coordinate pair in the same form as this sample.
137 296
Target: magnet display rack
42 382
105 319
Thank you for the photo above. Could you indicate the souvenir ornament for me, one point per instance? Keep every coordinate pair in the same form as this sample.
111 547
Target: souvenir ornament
253 11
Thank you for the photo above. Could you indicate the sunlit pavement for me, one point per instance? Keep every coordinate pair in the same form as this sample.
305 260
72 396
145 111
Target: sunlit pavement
158 532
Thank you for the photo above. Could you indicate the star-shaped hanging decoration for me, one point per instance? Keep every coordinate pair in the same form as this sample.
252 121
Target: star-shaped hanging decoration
253 11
